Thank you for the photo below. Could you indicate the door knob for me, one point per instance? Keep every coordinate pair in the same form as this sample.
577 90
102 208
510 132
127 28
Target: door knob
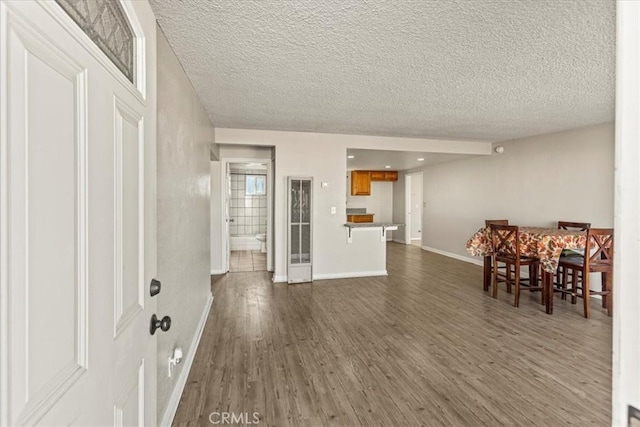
154 287
164 324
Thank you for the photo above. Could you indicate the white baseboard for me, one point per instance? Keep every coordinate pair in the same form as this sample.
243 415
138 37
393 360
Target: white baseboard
476 261
174 400
218 272
402 242
279 279
349 275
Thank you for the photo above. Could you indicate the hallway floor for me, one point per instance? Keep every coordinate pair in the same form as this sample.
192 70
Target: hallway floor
423 346
244 261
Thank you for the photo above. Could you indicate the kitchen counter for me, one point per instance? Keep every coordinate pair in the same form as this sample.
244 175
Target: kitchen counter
372 224
380 227
368 243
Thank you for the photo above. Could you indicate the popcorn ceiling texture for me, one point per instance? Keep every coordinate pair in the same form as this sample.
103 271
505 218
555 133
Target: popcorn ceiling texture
457 69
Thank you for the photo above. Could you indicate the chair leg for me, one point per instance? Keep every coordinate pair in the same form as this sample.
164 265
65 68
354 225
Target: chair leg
517 286
544 287
609 281
586 295
509 280
540 282
547 282
564 281
487 273
494 279
533 277
574 287
605 289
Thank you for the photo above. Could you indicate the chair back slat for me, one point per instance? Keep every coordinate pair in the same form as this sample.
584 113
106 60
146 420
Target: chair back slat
600 242
568 225
504 240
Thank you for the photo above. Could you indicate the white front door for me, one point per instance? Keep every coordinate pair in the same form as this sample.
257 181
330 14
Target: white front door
77 223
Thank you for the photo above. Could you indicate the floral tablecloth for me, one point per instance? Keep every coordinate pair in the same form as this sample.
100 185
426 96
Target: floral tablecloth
545 244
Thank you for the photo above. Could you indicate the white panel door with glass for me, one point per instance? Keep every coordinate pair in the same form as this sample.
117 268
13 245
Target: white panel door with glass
300 230
77 223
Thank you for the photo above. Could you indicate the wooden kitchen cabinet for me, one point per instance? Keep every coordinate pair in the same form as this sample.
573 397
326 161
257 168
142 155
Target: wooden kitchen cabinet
360 218
361 180
391 176
377 175
360 183
384 175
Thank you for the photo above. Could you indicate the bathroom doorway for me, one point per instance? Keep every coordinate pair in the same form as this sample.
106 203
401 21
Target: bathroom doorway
248 205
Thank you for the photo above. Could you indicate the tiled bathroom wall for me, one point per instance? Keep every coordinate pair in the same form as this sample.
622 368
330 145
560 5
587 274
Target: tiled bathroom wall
249 213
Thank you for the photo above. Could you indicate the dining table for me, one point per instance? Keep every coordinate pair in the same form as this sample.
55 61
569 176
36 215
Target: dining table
543 243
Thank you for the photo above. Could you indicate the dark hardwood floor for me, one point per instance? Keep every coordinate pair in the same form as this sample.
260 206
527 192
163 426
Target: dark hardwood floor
423 346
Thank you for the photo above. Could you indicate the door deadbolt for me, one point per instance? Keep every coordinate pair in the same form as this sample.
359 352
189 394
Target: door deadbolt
155 287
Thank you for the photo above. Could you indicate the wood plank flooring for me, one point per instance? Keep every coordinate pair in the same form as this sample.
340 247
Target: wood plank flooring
423 346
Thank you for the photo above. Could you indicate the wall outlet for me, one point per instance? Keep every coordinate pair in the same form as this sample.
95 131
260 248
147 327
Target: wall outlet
333 210
174 360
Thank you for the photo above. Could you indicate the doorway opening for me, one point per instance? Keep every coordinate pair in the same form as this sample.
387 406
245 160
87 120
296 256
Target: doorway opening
413 208
248 215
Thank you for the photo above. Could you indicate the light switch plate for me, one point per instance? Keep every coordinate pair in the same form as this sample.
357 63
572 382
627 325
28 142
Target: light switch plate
333 210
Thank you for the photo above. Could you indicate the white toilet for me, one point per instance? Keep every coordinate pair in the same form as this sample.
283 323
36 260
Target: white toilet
262 238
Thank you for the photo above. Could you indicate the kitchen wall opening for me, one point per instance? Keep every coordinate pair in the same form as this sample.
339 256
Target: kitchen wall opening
248 217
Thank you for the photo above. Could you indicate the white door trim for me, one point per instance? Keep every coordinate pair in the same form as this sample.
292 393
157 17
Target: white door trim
407 208
626 296
224 161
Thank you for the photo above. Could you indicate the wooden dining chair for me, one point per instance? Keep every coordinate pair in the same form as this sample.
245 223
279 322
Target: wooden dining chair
562 274
600 260
487 259
505 244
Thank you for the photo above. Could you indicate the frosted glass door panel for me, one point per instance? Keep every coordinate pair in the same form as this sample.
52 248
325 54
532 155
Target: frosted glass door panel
295 202
300 227
305 250
295 244
305 201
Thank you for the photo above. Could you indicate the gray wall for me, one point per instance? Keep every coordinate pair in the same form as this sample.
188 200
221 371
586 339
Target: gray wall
537 181
184 134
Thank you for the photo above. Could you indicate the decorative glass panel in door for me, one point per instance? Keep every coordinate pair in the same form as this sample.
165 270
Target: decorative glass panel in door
300 227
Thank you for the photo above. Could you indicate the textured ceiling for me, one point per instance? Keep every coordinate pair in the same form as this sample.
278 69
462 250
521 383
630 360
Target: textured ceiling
458 69
398 160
